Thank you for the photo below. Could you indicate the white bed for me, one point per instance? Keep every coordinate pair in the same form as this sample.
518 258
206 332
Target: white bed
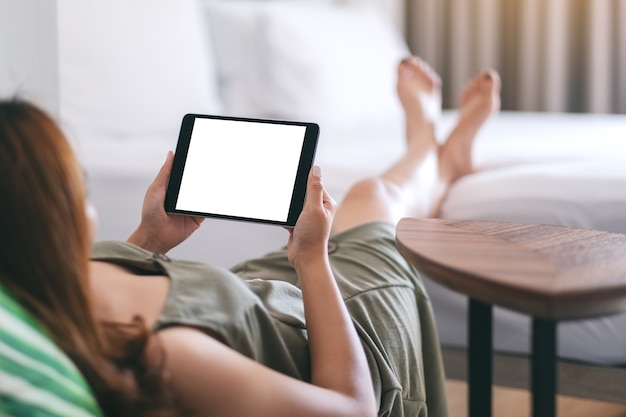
122 108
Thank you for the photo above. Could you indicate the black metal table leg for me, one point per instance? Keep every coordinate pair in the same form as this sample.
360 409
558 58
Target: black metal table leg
480 358
544 371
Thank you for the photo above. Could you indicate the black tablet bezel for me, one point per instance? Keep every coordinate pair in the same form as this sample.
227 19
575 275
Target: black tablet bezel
307 156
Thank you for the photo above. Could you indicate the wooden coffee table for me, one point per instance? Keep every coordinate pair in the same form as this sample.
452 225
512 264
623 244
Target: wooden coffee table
552 273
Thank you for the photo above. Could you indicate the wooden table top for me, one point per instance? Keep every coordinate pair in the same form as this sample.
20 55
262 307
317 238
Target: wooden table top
552 272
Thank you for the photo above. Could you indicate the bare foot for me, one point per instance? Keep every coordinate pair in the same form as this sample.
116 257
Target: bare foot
419 91
479 100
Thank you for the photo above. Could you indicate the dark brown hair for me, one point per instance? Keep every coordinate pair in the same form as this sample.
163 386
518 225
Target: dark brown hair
44 255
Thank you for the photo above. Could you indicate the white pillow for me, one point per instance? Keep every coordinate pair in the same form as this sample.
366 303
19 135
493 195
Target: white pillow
584 193
312 61
235 27
133 68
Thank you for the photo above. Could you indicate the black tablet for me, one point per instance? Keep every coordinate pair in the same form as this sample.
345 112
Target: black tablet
241 168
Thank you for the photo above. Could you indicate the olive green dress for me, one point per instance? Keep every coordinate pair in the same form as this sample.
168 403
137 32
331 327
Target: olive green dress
257 309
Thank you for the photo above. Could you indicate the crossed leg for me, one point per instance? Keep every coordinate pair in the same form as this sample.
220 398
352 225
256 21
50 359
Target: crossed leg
416 183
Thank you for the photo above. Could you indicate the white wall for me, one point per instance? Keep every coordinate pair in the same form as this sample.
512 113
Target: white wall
29 51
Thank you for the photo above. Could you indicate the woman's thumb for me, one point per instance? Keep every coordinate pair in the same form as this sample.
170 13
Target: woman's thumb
315 189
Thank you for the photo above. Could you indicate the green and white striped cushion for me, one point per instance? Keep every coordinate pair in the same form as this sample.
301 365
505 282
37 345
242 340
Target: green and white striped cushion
36 378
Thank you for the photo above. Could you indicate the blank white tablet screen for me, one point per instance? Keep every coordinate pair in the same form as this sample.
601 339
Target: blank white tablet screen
241 169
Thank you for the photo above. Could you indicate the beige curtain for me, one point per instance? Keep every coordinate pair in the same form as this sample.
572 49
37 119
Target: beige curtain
553 55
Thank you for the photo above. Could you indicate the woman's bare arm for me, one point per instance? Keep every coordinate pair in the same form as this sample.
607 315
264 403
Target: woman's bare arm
338 362
209 378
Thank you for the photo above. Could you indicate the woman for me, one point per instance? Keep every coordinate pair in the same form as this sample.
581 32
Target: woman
335 324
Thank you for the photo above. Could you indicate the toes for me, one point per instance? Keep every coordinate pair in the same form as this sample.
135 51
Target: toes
411 66
406 72
484 86
487 80
408 67
490 79
429 71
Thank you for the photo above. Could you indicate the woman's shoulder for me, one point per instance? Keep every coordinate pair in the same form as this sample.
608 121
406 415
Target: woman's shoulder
108 248
132 256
